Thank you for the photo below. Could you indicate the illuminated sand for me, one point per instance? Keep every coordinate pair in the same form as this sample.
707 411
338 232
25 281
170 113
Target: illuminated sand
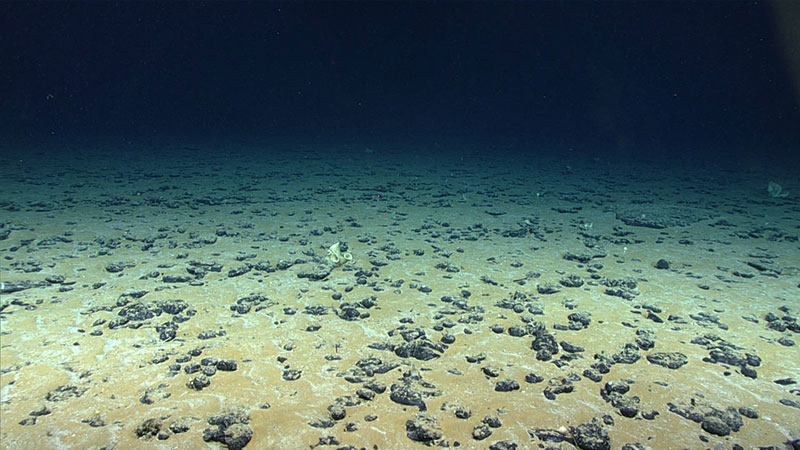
278 208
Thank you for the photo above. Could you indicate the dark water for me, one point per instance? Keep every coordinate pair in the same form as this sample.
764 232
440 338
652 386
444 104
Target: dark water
709 79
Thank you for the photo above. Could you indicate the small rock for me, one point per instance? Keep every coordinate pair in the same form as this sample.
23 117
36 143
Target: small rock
424 428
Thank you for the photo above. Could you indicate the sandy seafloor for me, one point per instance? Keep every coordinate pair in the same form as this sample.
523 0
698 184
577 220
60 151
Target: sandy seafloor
92 236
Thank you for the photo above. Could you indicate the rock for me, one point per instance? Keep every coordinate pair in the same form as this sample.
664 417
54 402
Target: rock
503 445
226 365
628 355
235 437
148 429
199 382
571 348
424 428
492 421
291 374
237 271
420 349
230 427
545 346
506 385
533 378
176 279
670 360
316 273
337 412
407 395
558 385
715 425
591 436
114 268
462 412
748 412
365 394
481 432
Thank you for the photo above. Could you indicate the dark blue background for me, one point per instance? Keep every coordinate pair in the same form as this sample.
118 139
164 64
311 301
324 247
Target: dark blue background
594 77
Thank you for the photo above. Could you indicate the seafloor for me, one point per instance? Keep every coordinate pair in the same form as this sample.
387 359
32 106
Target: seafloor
183 299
